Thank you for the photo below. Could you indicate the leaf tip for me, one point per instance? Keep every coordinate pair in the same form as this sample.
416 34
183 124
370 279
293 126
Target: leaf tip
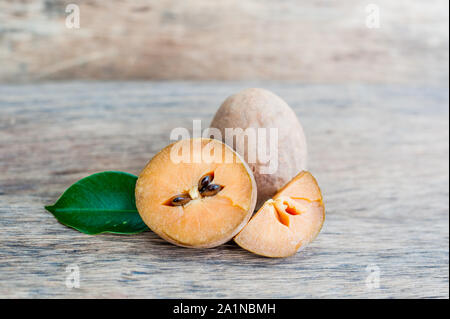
49 208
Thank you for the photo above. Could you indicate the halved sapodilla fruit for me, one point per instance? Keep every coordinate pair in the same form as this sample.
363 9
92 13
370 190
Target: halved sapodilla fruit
288 221
196 193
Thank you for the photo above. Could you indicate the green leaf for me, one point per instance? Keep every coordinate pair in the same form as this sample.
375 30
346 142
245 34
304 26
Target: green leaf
100 203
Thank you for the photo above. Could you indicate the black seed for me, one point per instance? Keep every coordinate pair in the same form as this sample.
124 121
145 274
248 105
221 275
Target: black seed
211 190
179 200
205 181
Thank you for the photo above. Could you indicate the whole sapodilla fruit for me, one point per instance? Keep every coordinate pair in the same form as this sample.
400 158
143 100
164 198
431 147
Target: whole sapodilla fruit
259 108
196 193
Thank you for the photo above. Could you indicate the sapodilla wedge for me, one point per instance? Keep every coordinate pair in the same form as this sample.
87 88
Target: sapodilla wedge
196 193
287 222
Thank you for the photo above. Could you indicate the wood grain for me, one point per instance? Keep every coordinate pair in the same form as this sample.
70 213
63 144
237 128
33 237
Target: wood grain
312 41
380 154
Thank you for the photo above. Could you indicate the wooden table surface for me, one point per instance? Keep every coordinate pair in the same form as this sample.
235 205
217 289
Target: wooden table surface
380 154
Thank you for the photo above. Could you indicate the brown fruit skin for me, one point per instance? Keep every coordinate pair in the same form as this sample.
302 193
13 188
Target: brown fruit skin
260 108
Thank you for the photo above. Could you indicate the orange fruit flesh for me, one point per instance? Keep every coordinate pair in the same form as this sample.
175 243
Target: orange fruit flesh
288 222
204 221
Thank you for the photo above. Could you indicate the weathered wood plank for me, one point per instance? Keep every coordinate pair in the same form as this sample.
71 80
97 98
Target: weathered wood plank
312 41
380 154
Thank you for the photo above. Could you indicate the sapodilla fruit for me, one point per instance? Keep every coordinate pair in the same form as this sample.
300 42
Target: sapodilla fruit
201 200
259 108
287 222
